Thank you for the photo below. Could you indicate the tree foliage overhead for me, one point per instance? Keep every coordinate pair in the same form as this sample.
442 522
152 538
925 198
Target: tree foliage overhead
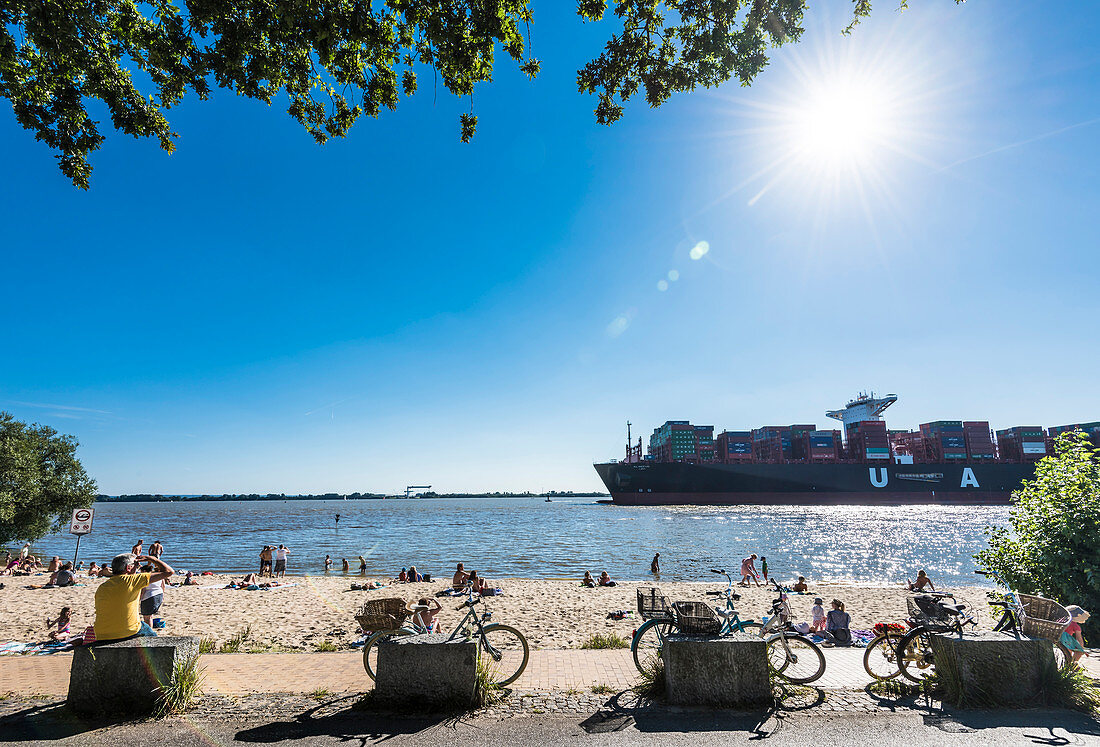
1052 544
41 480
336 60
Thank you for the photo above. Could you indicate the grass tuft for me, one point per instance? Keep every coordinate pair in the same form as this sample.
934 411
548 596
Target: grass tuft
324 645
651 681
179 694
610 640
208 646
1073 688
321 693
901 688
486 692
233 645
602 689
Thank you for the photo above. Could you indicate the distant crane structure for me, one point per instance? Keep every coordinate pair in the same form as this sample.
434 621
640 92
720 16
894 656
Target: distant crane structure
410 488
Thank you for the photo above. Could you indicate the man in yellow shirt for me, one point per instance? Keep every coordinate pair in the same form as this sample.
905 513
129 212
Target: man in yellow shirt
116 599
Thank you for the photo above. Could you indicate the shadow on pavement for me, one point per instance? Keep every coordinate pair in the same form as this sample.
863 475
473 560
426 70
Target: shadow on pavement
627 710
48 722
346 724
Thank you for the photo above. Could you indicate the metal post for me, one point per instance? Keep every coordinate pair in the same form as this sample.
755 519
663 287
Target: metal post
76 552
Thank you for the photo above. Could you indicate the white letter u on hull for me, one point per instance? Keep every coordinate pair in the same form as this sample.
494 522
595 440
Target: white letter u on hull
882 478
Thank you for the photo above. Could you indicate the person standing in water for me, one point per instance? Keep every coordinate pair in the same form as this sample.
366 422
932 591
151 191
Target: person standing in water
337 521
655 566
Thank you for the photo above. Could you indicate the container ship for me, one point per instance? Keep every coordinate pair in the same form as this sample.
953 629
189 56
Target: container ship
945 462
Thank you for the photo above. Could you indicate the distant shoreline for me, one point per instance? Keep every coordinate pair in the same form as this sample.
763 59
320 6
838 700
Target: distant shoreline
164 498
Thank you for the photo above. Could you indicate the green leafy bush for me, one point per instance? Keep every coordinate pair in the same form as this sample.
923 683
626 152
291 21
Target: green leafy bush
610 640
1052 544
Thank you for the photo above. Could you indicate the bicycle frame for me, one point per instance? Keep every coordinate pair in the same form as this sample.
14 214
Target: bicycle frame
415 624
732 622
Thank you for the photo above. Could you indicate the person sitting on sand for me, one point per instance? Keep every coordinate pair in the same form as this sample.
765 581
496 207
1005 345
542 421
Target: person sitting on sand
61 623
424 612
11 565
104 571
413 577
800 587
63 576
837 622
588 580
116 599
403 576
1071 637
818 613
93 570
477 584
190 579
55 564
250 579
459 580
605 580
748 570
922 581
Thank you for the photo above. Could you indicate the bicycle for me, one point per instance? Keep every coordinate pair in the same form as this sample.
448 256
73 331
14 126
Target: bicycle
1014 614
502 646
930 615
649 639
791 655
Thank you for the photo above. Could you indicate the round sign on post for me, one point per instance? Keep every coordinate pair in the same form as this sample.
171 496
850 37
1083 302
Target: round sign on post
82 521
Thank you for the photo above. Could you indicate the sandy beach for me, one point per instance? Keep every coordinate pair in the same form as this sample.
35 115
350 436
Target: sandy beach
312 609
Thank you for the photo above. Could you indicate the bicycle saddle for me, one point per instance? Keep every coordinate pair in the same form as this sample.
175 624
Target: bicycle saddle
954 609
724 613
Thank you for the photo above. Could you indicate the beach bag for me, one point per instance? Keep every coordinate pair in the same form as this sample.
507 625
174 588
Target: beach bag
89 636
803 628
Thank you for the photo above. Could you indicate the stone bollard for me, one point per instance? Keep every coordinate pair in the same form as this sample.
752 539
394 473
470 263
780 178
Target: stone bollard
426 671
990 668
121 679
730 671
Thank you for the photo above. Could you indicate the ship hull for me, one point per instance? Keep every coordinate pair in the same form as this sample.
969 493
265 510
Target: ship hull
675 483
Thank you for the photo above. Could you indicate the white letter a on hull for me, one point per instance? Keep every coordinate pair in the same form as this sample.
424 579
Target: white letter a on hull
882 478
969 480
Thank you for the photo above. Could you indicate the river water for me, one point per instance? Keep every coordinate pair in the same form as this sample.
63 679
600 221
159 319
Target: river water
530 538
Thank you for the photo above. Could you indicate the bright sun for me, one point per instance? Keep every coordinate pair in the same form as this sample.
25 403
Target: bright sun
840 124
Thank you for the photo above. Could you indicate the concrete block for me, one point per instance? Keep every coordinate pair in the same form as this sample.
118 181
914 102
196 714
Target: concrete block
990 668
426 671
121 679
730 671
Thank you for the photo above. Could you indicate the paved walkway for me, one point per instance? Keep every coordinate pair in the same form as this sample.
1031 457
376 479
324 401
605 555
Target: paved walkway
243 674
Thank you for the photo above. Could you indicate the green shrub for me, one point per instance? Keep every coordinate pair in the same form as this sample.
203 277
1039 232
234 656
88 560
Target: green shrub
324 645
601 689
610 640
208 646
1052 544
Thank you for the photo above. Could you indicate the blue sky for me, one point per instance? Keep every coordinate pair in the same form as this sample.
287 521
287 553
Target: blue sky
256 313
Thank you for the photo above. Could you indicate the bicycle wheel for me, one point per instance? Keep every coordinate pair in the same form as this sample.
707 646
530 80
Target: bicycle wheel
648 641
370 649
795 659
915 658
504 650
881 657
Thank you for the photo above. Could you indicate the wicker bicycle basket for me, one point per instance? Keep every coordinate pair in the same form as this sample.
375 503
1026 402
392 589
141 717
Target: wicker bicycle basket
382 614
696 618
652 603
1042 617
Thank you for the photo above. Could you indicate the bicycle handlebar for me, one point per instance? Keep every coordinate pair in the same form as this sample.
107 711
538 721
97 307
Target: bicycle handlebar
715 570
714 593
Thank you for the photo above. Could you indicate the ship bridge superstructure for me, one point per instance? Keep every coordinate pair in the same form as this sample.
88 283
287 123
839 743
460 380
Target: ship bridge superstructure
862 408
